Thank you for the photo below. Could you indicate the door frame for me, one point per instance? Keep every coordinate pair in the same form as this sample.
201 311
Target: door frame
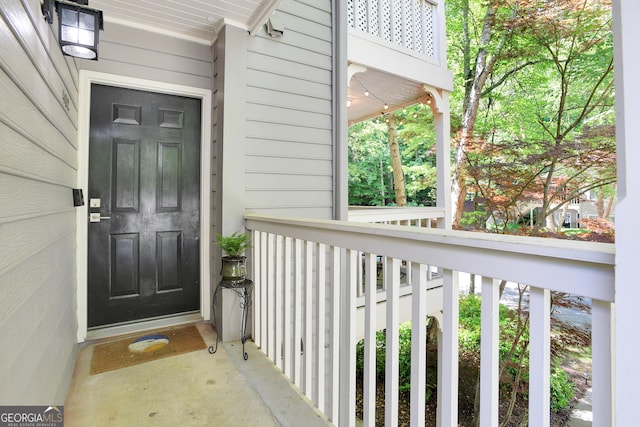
86 79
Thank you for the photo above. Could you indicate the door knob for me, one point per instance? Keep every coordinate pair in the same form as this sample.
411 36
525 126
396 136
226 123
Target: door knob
95 217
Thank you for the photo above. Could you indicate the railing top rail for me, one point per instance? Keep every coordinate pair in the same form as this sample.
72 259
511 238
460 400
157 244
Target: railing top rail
580 268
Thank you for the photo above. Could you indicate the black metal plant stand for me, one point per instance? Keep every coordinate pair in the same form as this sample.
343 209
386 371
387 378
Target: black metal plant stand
243 288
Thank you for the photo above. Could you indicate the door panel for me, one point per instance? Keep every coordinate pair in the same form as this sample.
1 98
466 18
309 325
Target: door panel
144 167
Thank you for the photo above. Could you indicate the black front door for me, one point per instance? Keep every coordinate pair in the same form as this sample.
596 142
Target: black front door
144 205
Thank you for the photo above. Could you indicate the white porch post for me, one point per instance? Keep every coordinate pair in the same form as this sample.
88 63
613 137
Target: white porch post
627 346
443 163
340 118
231 68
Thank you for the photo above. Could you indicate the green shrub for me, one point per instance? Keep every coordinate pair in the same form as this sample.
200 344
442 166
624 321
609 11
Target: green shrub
475 219
562 389
404 362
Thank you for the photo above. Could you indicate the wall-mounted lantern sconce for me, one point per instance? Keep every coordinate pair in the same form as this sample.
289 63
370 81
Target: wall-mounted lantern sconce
78 27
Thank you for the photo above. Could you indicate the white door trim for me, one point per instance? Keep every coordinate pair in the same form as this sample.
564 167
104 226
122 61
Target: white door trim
86 78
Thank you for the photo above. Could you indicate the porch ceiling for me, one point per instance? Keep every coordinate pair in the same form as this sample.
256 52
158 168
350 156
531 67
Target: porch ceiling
383 88
198 20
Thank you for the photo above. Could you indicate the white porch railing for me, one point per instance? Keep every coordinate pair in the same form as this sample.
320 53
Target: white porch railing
307 274
408 23
417 217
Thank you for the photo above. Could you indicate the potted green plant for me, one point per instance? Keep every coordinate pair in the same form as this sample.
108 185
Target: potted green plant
233 262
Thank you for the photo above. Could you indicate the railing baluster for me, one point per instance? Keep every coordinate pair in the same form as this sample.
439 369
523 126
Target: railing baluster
539 356
418 343
602 363
264 285
321 329
271 301
257 287
278 302
391 374
348 341
489 343
369 380
309 341
287 357
408 271
297 313
448 352
361 284
336 279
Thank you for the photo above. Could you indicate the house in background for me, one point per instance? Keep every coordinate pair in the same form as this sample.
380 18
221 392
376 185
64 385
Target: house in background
249 131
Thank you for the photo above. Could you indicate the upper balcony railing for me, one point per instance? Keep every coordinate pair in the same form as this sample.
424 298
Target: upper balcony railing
408 23
312 275
425 217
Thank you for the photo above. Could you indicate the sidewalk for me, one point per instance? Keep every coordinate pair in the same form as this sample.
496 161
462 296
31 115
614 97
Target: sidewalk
581 416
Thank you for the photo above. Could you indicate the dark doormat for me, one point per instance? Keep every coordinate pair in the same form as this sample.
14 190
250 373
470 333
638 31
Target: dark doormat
145 347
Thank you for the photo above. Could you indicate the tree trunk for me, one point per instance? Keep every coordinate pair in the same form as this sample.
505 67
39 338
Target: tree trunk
396 162
600 203
603 207
544 220
476 80
607 210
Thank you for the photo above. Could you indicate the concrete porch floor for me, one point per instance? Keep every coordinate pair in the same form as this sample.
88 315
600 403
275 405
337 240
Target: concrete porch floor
191 389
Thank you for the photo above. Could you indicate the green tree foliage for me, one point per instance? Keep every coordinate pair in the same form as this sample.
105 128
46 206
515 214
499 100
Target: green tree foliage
370 171
485 51
532 117
545 133
369 165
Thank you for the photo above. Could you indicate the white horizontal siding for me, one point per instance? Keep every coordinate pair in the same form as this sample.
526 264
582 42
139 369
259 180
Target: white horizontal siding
28 239
38 167
289 146
155 60
37 38
25 157
290 199
288 166
18 112
288 116
142 54
311 11
34 84
285 98
32 199
299 68
297 149
300 211
296 46
298 182
287 84
284 132
33 324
